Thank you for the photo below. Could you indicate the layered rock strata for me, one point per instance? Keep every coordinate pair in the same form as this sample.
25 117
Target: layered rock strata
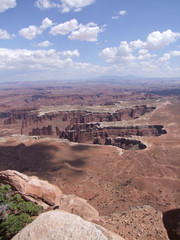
94 133
29 117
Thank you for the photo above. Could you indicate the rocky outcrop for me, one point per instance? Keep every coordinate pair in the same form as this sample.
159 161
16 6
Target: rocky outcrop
19 115
127 144
42 131
28 121
122 114
48 195
32 188
29 117
59 225
94 133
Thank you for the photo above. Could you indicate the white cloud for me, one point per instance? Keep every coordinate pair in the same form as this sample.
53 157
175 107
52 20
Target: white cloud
127 51
122 12
87 32
29 33
6 4
46 23
137 44
44 64
127 60
32 31
65 5
144 54
156 40
68 53
76 5
64 28
175 53
115 17
50 64
123 53
40 59
45 4
167 56
44 44
4 34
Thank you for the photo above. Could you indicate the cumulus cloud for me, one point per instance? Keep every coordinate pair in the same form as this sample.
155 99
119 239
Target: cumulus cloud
6 4
4 34
32 31
29 33
122 12
175 53
45 4
137 57
137 44
123 53
144 54
64 5
46 23
115 17
44 44
64 28
87 32
76 5
167 56
23 58
156 40
44 64
68 53
40 59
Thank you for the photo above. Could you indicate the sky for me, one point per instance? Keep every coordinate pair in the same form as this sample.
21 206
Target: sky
80 39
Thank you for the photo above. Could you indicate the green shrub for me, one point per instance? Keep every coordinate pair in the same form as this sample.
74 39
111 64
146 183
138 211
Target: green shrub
15 212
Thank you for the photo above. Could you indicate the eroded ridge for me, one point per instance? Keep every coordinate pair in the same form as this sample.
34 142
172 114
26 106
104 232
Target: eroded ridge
95 133
84 126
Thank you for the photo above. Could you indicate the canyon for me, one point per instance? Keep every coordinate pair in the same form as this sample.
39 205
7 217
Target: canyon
116 147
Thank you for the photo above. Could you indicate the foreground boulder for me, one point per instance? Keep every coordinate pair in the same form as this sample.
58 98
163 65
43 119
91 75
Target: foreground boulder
59 225
32 188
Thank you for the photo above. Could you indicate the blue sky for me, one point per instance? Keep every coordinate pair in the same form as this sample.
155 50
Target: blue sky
71 39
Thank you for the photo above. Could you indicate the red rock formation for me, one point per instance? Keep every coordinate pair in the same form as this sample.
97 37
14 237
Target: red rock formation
32 188
46 195
42 131
94 133
58 132
87 132
128 144
28 118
